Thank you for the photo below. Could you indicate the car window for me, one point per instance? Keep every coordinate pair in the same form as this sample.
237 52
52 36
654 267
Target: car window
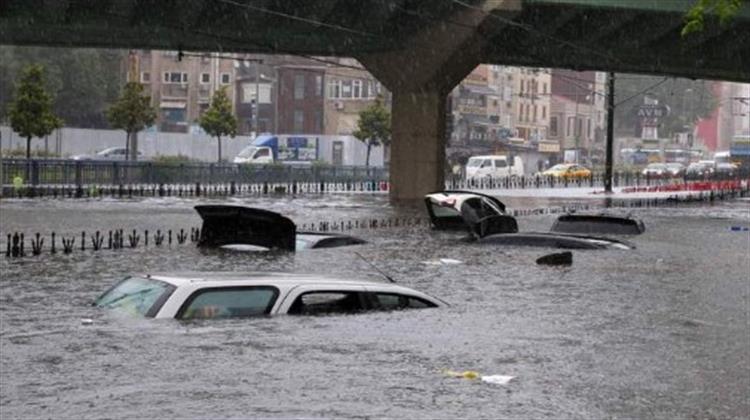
229 302
393 301
262 153
137 296
327 303
500 163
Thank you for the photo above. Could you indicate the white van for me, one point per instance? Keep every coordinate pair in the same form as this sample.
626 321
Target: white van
493 166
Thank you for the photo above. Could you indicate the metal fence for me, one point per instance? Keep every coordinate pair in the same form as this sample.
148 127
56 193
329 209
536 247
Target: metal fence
68 172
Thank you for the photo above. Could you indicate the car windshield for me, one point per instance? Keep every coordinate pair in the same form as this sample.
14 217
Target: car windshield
247 152
473 162
559 168
136 295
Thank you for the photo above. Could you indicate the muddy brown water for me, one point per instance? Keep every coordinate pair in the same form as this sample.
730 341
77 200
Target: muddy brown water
657 332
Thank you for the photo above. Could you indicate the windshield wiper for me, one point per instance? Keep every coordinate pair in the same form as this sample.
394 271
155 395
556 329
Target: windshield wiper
138 293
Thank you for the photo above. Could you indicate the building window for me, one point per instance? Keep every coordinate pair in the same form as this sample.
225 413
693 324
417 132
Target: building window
145 77
334 89
299 86
544 87
553 126
544 112
175 77
520 112
318 85
588 128
225 78
357 89
318 121
299 121
205 78
569 127
534 118
346 89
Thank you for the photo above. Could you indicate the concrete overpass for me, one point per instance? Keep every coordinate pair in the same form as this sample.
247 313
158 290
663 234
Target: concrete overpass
420 49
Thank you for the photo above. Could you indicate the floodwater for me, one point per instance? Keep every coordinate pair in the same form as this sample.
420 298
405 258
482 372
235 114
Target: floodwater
657 332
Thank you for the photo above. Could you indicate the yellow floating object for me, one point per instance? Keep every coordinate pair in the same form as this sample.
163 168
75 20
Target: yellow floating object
467 374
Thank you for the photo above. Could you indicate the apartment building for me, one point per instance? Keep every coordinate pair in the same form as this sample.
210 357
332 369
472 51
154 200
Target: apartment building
181 85
349 91
531 102
577 110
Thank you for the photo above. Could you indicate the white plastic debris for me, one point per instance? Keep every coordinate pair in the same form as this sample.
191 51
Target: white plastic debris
442 261
497 379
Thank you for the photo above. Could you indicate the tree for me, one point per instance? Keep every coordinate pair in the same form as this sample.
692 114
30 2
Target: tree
83 81
726 10
132 112
218 120
374 127
31 110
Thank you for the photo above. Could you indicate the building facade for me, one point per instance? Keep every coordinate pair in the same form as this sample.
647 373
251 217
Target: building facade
181 85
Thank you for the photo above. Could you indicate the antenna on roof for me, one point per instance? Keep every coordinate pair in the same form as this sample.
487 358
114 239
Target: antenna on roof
390 279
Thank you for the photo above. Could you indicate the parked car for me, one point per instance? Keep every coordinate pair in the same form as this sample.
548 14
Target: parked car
567 171
112 153
699 170
656 170
493 166
675 169
726 170
243 295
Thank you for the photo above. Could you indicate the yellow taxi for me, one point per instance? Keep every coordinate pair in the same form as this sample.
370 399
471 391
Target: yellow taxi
567 171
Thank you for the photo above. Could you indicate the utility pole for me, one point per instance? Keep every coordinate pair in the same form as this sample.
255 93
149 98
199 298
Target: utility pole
610 134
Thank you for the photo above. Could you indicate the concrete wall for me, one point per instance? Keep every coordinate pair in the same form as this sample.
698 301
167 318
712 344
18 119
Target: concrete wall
74 141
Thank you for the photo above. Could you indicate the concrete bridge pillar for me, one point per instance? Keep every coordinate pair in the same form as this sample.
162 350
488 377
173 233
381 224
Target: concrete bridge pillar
420 75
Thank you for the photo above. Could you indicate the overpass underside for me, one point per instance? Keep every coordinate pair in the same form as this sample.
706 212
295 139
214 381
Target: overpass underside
419 49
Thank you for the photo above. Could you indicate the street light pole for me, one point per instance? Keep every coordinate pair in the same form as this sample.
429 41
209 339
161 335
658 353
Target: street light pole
610 133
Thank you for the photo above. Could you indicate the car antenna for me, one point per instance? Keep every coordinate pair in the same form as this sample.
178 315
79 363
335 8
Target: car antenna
390 279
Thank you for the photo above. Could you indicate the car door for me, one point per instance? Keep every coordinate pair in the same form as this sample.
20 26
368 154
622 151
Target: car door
324 300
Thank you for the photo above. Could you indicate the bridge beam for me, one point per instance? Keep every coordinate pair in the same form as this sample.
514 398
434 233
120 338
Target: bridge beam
420 76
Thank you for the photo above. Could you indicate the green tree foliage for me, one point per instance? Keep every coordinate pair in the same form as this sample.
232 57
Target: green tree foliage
218 120
83 81
696 16
374 127
31 109
688 101
132 112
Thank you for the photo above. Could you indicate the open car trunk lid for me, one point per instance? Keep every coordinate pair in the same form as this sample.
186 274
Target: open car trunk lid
225 225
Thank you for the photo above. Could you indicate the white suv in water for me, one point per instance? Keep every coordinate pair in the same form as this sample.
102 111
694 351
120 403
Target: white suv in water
238 295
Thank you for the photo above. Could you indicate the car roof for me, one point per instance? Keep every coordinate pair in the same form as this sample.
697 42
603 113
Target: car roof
253 278
489 157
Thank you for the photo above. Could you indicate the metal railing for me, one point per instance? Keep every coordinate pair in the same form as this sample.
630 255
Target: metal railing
69 172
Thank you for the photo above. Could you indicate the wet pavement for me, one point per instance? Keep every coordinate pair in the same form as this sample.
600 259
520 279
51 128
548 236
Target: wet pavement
657 332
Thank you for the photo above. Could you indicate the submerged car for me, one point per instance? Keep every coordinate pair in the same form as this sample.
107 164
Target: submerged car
243 295
598 223
251 229
485 219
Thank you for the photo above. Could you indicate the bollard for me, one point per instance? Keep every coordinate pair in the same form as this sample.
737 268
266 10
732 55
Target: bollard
53 250
36 245
96 241
83 241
